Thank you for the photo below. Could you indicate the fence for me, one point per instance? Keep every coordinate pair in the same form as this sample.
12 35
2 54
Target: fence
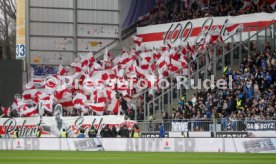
208 125
214 61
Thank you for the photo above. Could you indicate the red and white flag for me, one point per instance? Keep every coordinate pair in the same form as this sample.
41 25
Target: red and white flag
15 103
107 55
163 60
137 42
100 96
61 70
202 48
246 5
26 111
175 65
146 56
6 111
97 107
183 61
156 55
64 98
88 58
29 94
272 3
215 37
110 94
190 49
166 47
97 66
125 59
173 54
114 106
144 65
163 72
51 83
46 105
140 72
76 66
79 99
30 85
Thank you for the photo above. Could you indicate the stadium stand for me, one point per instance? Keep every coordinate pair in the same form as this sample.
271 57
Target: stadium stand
252 96
179 10
162 63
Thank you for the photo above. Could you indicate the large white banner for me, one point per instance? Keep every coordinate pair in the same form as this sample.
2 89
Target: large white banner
52 126
196 30
241 145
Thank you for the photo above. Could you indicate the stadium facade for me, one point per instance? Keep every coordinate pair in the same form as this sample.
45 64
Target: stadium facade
54 32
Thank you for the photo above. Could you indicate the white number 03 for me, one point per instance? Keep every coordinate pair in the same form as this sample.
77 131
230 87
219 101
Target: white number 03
20 50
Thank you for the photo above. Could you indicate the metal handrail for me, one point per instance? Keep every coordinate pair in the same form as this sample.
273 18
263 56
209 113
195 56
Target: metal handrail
209 119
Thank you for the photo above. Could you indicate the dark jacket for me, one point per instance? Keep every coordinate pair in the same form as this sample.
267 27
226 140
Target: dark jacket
114 132
124 133
92 133
106 132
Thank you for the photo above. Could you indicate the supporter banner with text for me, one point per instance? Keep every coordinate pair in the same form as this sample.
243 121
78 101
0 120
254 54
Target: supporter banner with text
179 126
195 31
260 125
52 126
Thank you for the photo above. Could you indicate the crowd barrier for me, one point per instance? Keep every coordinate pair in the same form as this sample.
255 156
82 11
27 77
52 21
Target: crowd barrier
214 125
241 145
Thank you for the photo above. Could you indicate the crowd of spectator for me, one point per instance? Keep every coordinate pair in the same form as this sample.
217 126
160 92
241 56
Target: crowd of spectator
252 96
179 10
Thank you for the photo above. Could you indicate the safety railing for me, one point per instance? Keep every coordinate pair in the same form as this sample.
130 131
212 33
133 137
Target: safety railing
233 50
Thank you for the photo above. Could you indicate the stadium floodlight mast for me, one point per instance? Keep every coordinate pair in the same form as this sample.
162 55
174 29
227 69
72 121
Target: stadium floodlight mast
142 83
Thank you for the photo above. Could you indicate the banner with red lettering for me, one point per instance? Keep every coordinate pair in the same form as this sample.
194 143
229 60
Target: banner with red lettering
52 126
197 30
